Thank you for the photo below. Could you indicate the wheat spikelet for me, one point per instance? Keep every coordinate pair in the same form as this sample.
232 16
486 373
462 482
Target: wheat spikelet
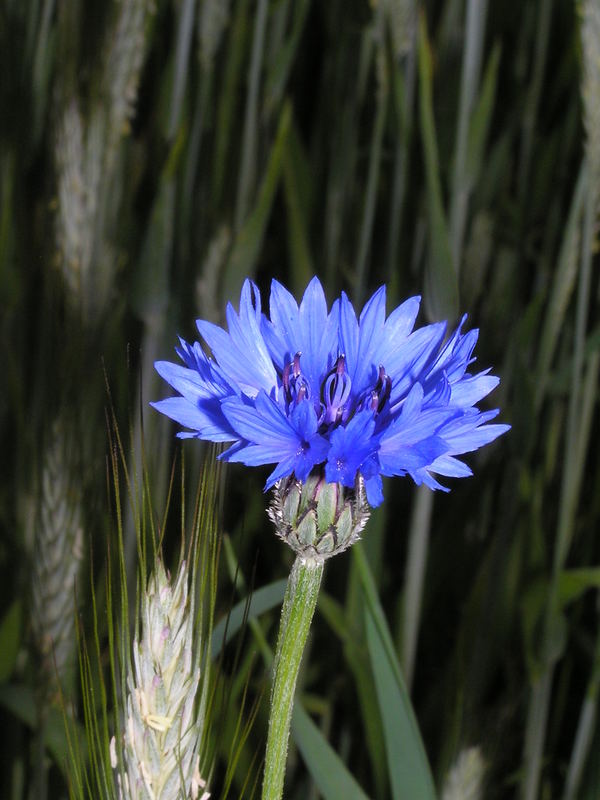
77 195
55 565
465 779
122 66
162 736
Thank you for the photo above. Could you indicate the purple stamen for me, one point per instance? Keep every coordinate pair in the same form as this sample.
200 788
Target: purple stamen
296 364
295 386
383 388
336 391
285 380
376 398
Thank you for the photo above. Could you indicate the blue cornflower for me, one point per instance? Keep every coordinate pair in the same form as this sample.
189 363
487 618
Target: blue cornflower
322 393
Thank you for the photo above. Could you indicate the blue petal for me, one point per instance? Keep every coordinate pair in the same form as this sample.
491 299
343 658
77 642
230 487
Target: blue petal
473 440
411 457
374 487
282 332
348 332
400 323
461 357
272 437
438 393
472 389
371 324
304 419
242 353
262 423
308 330
350 447
188 382
250 305
207 420
450 466
414 423
453 358
203 371
319 335
423 476
413 358
276 345
284 469
314 447
255 455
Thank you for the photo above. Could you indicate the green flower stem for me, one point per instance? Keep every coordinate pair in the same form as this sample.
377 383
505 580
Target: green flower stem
296 615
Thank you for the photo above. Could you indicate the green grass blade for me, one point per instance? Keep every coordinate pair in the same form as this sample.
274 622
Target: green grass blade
461 184
327 769
295 169
227 115
375 150
249 144
282 64
408 777
563 285
249 240
357 659
414 577
185 30
407 759
441 285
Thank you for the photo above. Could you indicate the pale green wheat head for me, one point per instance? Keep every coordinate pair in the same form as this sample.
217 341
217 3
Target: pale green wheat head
159 758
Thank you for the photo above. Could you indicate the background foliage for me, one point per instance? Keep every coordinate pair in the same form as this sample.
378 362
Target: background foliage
153 154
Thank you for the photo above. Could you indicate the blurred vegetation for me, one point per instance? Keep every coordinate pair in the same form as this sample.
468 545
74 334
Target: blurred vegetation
153 153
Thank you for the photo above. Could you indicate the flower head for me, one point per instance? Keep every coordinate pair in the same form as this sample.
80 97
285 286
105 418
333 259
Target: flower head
320 392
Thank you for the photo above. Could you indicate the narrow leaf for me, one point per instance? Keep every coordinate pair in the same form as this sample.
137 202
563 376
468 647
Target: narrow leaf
410 774
574 582
327 769
249 240
300 258
441 285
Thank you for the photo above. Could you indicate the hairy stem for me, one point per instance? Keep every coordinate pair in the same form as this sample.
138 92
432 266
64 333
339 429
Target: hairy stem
296 615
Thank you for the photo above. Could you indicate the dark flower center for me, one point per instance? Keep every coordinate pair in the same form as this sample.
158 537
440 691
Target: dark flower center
334 396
